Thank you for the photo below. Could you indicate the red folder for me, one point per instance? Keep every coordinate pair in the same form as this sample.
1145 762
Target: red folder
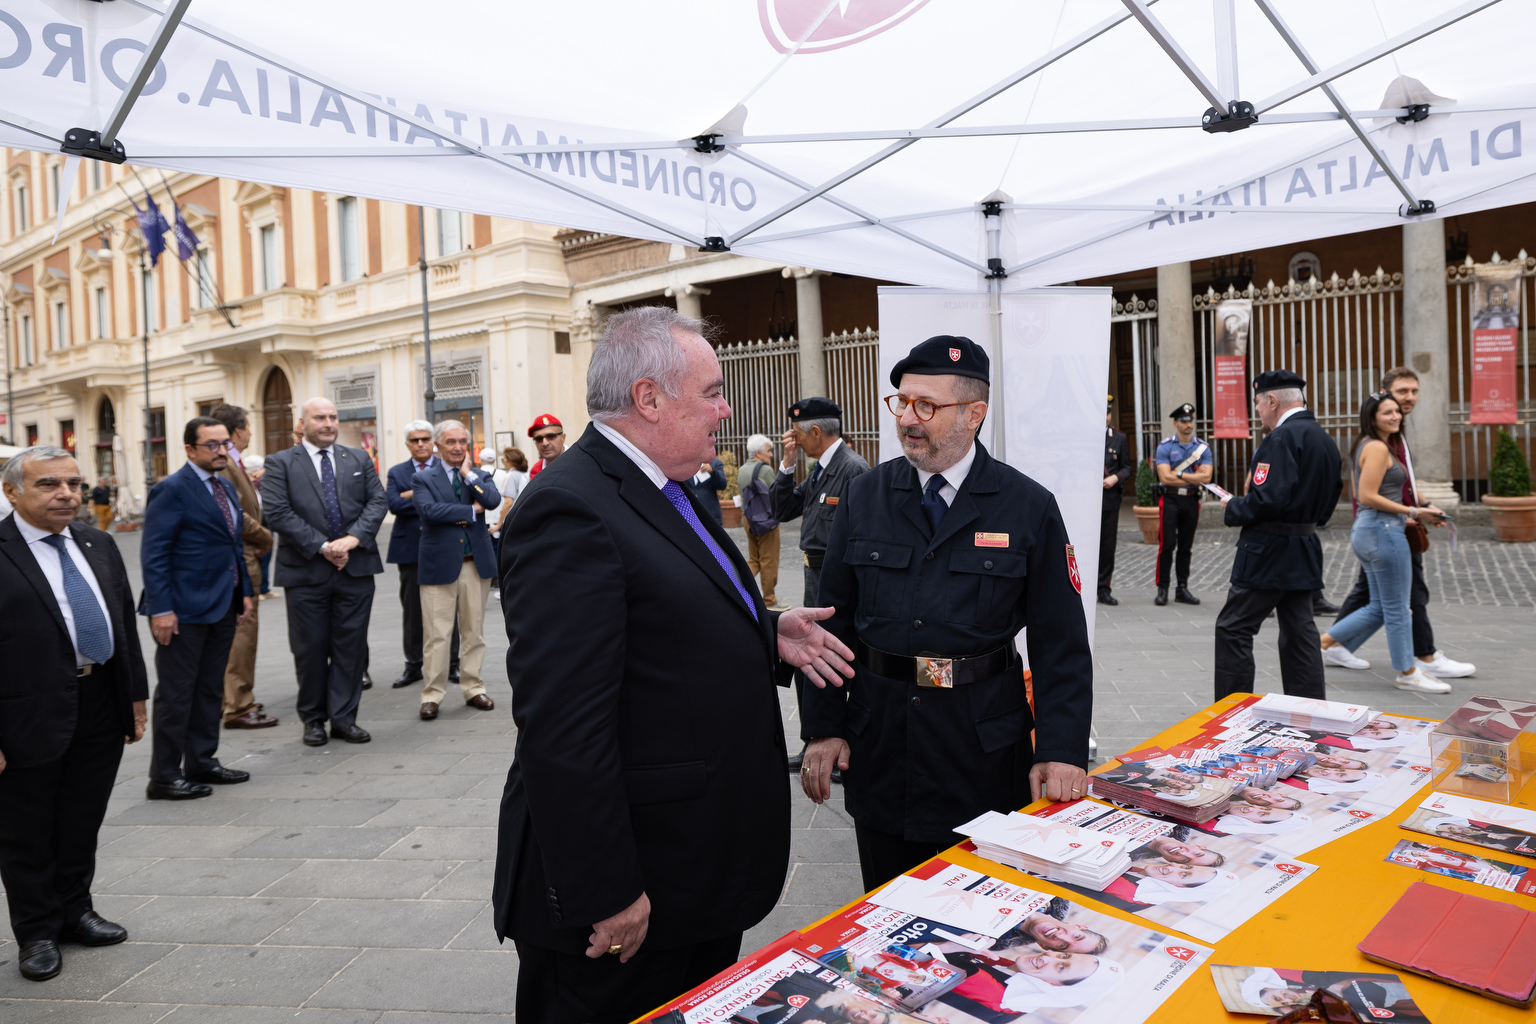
1476 944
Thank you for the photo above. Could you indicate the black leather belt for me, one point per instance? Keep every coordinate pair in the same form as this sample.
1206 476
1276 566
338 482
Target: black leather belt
931 671
1287 529
1182 492
814 559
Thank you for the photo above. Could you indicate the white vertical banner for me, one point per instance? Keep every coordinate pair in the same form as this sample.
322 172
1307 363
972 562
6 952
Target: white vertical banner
1055 369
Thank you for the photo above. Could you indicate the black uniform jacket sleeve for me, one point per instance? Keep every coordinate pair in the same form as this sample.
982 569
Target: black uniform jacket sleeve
1295 479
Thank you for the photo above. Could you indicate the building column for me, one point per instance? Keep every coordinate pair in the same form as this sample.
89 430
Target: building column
689 298
586 326
1175 340
808 328
1426 347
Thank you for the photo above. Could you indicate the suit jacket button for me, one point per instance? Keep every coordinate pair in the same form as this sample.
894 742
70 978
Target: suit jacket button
987 564
928 557
555 916
874 556
917 624
550 890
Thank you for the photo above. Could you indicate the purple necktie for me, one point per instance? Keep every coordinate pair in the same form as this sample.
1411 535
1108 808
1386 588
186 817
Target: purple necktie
679 500
222 500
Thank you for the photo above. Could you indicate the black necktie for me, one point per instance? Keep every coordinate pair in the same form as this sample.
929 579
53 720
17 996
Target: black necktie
933 505
815 473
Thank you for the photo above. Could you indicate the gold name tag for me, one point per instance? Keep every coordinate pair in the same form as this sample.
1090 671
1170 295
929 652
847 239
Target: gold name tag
991 540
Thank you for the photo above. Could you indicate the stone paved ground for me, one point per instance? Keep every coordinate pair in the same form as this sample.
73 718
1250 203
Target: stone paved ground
351 883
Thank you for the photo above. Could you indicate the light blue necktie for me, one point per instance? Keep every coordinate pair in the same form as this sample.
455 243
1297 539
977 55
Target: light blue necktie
679 500
93 637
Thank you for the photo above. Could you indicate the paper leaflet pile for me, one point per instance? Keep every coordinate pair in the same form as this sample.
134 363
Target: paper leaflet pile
1306 713
1064 853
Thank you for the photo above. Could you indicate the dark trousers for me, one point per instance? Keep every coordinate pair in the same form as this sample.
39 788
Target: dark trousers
410 621
1179 517
50 815
1301 656
1418 605
812 589
1109 532
328 634
573 988
189 696
883 856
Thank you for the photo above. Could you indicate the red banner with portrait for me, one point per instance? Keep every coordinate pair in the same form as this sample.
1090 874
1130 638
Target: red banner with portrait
1230 368
1495 342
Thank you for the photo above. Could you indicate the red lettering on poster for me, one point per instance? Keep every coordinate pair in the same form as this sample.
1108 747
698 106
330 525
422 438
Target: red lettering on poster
1231 419
1494 398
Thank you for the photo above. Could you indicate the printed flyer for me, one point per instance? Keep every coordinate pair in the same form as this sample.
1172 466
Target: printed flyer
1277 990
1468 867
1468 820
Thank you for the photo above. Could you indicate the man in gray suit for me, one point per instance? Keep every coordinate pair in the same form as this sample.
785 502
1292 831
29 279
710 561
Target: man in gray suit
326 502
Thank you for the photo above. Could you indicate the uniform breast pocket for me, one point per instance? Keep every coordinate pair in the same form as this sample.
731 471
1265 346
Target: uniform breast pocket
880 568
1249 556
982 585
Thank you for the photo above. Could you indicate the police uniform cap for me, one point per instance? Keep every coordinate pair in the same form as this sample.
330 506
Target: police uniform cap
815 408
543 421
1110 400
1272 380
945 355
1185 410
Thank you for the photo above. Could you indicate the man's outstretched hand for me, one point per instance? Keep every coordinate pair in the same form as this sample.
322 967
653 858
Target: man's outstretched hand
626 929
811 649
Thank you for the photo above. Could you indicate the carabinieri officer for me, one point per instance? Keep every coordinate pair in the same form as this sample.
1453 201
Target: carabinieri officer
1183 463
934 564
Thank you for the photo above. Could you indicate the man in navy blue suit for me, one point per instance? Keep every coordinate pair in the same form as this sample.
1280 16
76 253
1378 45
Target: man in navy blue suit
455 565
196 591
404 542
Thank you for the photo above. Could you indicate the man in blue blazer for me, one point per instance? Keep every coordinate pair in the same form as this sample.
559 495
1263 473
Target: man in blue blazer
404 542
455 565
196 591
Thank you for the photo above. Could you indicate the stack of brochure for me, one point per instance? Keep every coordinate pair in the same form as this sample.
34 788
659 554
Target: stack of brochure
1063 853
1318 715
1192 798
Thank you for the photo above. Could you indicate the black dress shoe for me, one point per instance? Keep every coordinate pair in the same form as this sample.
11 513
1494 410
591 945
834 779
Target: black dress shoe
40 960
314 734
412 674
221 776
94 930
367 681
796 761
1105 597
181 789
350 733
1322 607
1183 596
453 673
1162 597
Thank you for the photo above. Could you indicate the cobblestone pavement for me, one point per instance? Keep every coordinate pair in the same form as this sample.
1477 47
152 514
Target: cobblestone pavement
351 884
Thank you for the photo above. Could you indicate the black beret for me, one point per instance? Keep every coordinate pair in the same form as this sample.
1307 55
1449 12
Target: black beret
1184 410
1270 380
815 408
945 355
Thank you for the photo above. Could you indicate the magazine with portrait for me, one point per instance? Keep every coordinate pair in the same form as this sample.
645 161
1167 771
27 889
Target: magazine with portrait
1468 867
1466 819
1274 991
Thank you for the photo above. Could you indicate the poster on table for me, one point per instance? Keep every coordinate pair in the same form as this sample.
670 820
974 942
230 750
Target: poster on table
1233 320
1465 819
1496 295
1273 991
1055 345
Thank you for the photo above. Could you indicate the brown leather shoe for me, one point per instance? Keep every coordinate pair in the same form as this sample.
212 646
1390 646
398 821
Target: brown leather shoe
428 711
252 719
481 701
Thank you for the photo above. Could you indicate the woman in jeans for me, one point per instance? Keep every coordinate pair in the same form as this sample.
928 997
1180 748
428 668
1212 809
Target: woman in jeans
1379 543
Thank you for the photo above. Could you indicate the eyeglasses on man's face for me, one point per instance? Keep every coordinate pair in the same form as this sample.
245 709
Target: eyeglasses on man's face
921 407
424 439
543 438
214 447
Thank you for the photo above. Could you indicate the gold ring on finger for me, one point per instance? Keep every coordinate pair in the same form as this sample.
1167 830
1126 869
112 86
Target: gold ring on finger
616 948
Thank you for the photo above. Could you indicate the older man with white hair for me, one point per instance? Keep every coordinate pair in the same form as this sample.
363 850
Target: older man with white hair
645 824
754 479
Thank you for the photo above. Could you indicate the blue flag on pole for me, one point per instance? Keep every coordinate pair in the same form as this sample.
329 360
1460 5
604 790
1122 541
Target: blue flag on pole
186 241
154 227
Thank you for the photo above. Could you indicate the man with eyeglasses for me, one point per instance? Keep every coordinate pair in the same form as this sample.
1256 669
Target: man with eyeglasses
815 427
1184 465
549 437
934 564
197 590
404 551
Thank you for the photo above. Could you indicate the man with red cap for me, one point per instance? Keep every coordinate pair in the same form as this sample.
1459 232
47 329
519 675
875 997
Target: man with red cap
549 435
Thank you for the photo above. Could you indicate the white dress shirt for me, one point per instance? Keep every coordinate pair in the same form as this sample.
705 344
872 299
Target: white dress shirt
1289 413
826 456
314 457
53 571
954 476
638 457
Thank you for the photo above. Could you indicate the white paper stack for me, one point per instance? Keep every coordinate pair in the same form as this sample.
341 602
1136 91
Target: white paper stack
1063 853
1318 715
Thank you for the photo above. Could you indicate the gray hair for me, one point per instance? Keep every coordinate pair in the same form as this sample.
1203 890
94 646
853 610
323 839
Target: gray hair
637 344
830 426
757 442
1286 396
15 472
415 425
255 463
443 427
972 389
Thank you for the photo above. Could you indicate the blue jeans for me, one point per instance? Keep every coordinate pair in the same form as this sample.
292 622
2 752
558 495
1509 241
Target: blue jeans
266 572
1378 541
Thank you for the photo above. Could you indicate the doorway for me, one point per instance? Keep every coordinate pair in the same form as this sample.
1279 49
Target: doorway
277 413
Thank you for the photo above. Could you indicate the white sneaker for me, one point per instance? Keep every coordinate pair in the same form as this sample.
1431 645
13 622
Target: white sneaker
1339 655
1418 681
1444 668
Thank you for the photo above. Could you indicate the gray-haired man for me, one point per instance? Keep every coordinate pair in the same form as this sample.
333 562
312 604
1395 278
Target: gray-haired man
404 545
762 548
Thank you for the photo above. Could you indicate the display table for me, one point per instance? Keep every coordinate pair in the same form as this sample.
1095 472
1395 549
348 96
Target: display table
1317 925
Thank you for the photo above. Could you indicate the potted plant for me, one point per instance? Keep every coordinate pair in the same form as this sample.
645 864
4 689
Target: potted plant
1148 515
1509 501
730 498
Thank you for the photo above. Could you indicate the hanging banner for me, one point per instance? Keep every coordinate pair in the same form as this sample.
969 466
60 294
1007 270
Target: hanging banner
1230 351
1495 340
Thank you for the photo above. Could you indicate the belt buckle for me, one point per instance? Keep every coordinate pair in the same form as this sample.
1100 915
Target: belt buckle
935 673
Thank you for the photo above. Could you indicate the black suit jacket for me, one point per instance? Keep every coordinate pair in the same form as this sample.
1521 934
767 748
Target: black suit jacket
293 507
405 538
38 702
650 750
1117 462
1295 480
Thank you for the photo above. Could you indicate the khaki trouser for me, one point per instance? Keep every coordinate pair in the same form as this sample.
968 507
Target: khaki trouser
439 602
103 516
240 672
763 560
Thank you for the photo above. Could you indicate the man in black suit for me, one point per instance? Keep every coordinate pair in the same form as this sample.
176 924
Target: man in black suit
327 503
706 485
68 613
197 591
1118 468
1294 488
646 802
404 551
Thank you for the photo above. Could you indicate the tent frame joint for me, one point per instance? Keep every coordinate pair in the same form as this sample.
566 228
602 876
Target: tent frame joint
714 243
709 142
995 269
1417 209
87 142
1240 114
1416 112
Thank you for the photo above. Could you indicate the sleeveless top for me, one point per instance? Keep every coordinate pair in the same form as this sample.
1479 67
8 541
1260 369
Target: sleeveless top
1392 481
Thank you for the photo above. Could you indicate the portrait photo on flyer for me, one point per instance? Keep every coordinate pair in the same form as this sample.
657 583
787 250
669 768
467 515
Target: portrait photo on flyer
1274 991
1478 822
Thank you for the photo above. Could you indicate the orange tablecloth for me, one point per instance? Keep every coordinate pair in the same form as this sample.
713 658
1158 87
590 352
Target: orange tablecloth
1316 925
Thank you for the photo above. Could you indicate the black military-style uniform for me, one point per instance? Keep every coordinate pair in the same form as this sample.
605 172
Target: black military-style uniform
925 759
1294 489
815 502
1117 462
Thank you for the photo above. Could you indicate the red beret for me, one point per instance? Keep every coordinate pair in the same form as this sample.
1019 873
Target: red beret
540 422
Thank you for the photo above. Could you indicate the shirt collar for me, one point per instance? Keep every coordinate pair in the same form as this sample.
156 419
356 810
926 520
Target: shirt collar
826 456
955 475
1289 413
638 457
32 534
202 474
313 451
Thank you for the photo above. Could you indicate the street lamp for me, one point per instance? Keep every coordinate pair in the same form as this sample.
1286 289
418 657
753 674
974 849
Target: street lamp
106 231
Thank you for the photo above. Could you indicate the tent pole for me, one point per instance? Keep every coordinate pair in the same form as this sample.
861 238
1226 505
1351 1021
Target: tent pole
147 62
149 457
426 324
10 398
1164 39
994 224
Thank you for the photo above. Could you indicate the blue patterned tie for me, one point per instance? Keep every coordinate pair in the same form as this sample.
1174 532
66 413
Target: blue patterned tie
679 500
328 489
815 475
933 505
93 637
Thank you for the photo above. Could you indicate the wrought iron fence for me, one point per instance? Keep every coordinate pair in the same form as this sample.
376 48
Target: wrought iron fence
853 382
1139 318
